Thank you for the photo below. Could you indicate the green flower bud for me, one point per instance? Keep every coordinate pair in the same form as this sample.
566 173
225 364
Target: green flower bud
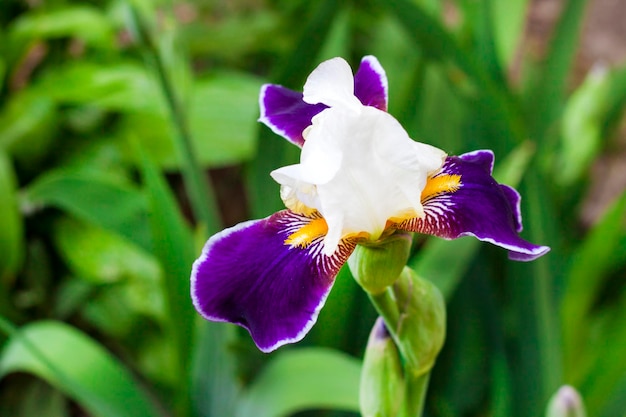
375 266
382 379
566 403
415 313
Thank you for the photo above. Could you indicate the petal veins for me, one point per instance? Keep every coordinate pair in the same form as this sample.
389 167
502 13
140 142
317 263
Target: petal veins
480 207
249 276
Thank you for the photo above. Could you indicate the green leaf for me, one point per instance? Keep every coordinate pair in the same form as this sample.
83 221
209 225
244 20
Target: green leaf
303 379
617 100
97 255
405 71
28 123
535 301
595 256
123 86
3 65
216 368
480 17
615 403
602 368
459 378
222 117
173 246
93 196
508 21
582 126
11 223
545 100
239 35
338 38
76 365
294 67
83 22
102 257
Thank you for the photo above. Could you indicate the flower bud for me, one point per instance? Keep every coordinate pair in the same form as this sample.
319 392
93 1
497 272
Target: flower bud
375 266
382 379
566 403
419 325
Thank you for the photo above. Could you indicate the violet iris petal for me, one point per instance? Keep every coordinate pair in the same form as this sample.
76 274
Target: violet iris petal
370 83
283 110
248 276
480 207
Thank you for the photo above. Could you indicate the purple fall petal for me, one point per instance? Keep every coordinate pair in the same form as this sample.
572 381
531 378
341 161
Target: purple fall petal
480 207
248 276
283 111
515 200
370 83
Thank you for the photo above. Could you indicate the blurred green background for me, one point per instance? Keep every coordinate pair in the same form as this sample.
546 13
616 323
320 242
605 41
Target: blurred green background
128 135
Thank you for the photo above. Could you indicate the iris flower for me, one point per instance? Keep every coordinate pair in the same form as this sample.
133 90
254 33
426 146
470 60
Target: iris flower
360 179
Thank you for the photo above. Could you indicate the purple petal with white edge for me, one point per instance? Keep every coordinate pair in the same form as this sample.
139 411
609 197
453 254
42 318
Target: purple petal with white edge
248 275
370 83
283 111
479 207
486 159
515 202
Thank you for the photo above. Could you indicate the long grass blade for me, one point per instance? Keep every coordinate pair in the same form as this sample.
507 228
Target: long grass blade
76 365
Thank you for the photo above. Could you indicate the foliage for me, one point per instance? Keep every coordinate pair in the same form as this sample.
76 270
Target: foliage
113 111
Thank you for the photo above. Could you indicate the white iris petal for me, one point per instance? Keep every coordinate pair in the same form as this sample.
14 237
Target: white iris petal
358 166
331 83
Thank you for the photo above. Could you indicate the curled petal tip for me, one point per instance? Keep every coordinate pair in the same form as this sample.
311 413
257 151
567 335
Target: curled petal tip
530 255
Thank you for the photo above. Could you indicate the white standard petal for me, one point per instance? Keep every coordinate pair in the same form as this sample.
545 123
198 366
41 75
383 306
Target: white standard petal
298 188
358 166
332 83
380 176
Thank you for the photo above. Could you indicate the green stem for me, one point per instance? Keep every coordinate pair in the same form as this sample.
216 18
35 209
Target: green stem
414 312
416 388
386 306
200 192
416 380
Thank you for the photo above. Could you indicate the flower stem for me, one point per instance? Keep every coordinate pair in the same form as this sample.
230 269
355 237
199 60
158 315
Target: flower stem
386 306
416 387
414 314
416 383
